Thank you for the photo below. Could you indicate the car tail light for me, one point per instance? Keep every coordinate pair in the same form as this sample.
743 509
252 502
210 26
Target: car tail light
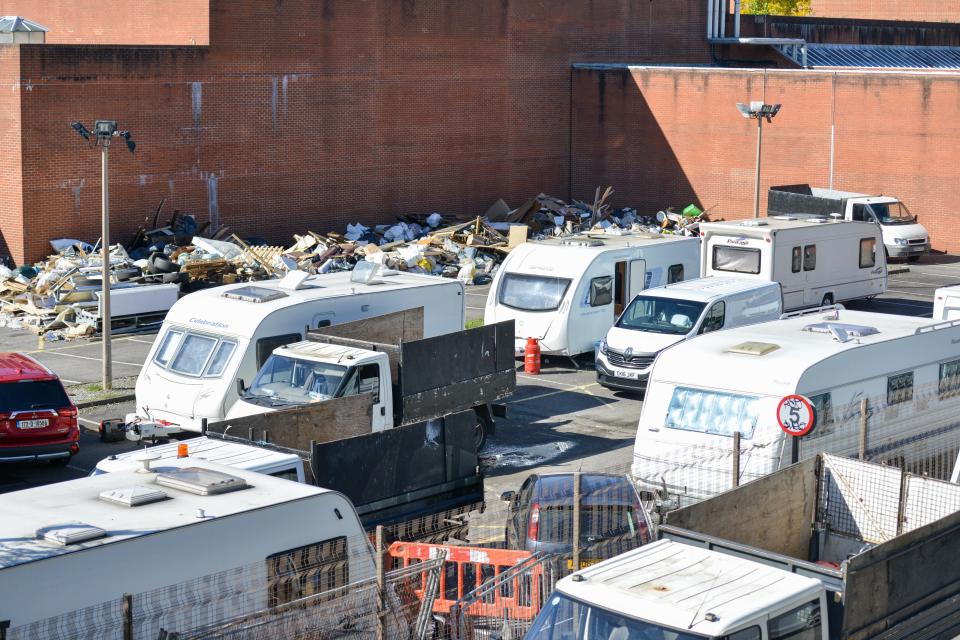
70 412
639 515
74 449
533 528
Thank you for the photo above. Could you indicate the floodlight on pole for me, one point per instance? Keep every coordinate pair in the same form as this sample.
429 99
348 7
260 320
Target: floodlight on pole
758 111
103 132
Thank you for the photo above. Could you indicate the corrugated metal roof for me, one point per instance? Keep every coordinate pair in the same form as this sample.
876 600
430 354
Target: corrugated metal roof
878 56
9 24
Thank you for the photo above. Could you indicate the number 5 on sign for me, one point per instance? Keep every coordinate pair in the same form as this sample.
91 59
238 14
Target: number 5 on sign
795 415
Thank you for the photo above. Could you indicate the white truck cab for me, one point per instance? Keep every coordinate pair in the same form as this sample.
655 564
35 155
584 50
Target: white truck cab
306 372
661 317
672 591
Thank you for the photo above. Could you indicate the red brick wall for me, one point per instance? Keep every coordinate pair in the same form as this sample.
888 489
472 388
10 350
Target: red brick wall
140 22
919 10
309 114
11 183
671 136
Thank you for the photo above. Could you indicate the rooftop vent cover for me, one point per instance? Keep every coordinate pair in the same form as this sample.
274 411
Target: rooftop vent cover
753 223
785 217
753 348
133 496
582 242
852 330
200 481
816 220
254 294
70 533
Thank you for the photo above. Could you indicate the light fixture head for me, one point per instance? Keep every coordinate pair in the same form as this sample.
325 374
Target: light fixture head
744 110
130 143
82 130
105 128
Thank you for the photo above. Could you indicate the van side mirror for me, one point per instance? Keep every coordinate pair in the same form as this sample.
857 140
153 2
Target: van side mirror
241 388
508 496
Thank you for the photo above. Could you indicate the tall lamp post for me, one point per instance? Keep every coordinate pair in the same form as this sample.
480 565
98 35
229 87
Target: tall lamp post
758 111
103 132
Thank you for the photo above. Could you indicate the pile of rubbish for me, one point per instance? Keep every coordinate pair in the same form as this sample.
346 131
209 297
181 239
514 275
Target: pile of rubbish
59 298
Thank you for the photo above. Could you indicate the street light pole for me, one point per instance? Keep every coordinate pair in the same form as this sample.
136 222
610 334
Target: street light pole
105 270
756 186
758 111
103 132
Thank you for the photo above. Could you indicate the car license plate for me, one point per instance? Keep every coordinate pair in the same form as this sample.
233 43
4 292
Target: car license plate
632 375
33 424
583 563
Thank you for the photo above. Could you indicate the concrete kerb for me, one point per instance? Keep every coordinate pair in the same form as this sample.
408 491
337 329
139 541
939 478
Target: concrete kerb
97 402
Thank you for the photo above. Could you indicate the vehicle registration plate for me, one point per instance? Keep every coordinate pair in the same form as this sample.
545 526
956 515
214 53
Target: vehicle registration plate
33 424
583 563
626 374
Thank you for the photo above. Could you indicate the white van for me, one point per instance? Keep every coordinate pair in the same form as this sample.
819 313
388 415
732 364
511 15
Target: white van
702 391
816 261
262 541
664 316
567 292
214 341
270 462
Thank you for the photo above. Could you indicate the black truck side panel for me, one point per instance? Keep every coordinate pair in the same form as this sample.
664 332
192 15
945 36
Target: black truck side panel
798 198
404 472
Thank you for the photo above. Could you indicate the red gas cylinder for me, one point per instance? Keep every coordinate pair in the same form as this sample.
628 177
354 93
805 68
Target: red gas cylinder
531 357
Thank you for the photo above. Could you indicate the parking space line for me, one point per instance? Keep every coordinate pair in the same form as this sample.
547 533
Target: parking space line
90 422
76 468
548 380
71 381
78 345
73 355
584 388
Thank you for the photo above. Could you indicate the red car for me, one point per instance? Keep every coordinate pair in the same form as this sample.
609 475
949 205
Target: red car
37 419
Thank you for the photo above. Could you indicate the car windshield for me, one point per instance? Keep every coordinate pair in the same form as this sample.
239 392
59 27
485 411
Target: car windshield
532 293
285 381
32 394
892 213
712 412
661 315
563 618
609 507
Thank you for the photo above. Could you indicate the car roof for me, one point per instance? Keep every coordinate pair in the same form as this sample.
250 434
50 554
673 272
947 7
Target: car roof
559 487
15 367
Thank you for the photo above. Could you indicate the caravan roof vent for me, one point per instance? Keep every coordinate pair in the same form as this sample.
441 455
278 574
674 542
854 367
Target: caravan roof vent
582 242
70 533
835 328
254 294
753 223
203 482
816 220
753 348
133 496
784 217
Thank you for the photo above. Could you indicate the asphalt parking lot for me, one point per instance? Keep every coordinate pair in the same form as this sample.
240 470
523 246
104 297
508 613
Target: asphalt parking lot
559 420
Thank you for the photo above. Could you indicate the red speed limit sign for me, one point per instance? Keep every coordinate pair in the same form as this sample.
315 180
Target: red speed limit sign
795 415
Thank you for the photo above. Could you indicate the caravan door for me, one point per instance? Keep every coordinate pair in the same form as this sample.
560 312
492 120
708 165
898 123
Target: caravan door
631 276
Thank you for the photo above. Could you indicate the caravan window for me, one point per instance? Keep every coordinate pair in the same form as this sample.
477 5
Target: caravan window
675 273
601 292
949 378
810 257
712 412
532 293
795 260
307 571
189 354
265 346
900 388
868 253
736 259
822 409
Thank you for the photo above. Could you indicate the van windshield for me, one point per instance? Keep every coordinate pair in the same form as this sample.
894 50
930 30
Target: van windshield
713 412
661 315
892 213
564 618
532 293
289 382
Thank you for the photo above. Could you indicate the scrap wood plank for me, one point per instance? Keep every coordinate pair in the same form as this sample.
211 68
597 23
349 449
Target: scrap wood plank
295 428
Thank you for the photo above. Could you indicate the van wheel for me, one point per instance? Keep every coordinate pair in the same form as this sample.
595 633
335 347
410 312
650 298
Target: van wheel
827 300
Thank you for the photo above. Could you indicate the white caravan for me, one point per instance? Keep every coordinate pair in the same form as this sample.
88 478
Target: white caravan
271 462
664 316
83 542
816 261
567 292
215 340
702 391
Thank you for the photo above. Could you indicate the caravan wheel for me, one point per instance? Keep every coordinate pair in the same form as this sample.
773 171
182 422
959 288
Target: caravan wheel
827 300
